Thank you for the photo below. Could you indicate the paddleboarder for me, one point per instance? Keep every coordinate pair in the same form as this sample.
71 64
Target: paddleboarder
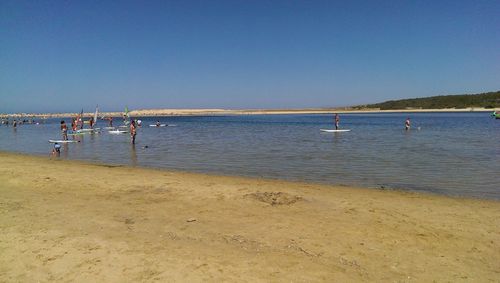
64 130
133 132
337 121
407 124
73 124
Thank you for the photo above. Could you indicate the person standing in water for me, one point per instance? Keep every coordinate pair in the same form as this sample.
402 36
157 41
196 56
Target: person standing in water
337 121
407 124
64 130
133 132
79 122
73 124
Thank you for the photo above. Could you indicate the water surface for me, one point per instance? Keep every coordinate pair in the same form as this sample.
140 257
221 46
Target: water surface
445 153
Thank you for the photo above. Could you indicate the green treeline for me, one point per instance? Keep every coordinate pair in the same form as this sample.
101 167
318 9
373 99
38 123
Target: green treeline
486 100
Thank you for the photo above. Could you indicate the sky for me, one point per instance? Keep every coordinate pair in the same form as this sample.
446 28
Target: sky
62 56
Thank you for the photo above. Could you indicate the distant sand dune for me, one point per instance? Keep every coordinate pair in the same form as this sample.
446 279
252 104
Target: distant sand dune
207 112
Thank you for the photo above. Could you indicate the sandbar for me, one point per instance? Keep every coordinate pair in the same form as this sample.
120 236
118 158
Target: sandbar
164 112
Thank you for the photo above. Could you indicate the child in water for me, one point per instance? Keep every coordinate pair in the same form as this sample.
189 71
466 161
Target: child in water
57 149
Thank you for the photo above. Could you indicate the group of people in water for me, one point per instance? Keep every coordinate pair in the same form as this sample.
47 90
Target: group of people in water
77 124
16 122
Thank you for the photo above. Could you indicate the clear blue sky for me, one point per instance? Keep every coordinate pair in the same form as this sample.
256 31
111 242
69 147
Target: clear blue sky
65 55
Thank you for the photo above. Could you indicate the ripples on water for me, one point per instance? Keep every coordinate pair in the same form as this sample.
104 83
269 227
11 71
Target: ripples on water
452 153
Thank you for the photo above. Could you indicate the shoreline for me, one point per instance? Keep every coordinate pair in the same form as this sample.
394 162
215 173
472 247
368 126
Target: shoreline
222 112
70 220
404 191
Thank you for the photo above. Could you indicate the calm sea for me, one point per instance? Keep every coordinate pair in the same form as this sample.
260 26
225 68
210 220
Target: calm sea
445 153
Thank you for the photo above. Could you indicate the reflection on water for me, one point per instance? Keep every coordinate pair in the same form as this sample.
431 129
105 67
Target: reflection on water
441 157
133 155
65 150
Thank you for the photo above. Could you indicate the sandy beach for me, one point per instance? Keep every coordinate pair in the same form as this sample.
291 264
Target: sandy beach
74 221
215 112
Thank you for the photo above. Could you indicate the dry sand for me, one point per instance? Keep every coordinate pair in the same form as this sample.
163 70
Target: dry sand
74 221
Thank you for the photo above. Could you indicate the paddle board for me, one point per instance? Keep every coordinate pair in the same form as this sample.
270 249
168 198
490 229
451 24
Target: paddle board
161 125
61 141
87 130
335 131
109 128
117 132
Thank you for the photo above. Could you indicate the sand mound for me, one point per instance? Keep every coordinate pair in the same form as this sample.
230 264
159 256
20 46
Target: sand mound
275 198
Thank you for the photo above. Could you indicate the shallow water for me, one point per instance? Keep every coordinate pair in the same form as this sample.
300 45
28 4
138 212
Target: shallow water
444 153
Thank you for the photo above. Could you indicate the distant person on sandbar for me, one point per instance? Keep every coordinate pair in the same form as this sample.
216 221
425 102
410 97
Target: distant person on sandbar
64 130
407 124
132 132
337 121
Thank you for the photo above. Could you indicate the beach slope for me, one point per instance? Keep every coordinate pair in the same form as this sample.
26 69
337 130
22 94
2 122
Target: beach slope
75 221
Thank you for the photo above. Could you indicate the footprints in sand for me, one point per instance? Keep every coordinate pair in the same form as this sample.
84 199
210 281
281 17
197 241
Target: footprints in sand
244 243
293 245
10 206
127 220
274 198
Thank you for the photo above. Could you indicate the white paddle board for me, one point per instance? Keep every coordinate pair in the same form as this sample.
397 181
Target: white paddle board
117 132
161 125
335 131
88 130
62 141
84 130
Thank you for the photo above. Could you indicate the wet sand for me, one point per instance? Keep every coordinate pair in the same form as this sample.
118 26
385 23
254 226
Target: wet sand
76 221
